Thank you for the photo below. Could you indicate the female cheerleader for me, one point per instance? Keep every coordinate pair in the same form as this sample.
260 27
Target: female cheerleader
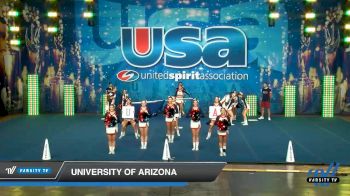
125 97
245 107
176 117
111 94
169 112
129 121
179 94
212 121
143 123
111 127
195 124
222 122
229 102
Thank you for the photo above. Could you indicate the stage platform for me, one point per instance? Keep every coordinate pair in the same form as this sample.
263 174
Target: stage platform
316 140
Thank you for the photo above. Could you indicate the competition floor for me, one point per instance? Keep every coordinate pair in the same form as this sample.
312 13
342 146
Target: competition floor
315 140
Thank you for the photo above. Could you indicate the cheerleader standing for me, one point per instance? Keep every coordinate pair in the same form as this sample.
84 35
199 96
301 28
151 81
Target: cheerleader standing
144 124
129 121
176 117
169 112
222 122
245 107
111 128
111 94
179 94
195 124
212 121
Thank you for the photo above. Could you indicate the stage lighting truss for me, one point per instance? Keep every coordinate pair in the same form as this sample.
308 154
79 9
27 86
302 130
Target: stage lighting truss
89 13
69 101
103 103
309 18
52 16
252 101
328 96
289 101
33 94
273 14
346 22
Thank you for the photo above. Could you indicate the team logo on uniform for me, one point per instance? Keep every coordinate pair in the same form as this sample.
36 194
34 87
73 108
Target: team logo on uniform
127 75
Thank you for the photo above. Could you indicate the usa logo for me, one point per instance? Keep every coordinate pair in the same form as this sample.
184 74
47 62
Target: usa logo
184 47
128 75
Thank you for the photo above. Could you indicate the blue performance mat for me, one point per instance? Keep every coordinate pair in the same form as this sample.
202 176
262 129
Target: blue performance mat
316 140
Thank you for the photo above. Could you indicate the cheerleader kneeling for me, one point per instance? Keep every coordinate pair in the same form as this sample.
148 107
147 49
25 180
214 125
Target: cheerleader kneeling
222 122
144 124
111 128
195 124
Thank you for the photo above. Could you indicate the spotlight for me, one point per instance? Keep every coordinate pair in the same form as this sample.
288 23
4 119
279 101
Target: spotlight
347 39
310 29
52 29
15 42
311 1
310 15
274 15
52 14
273 1
347 12
88 14
89 1
14 28
13 13
347 26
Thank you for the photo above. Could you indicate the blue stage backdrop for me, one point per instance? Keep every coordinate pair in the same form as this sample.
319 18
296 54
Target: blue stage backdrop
213 47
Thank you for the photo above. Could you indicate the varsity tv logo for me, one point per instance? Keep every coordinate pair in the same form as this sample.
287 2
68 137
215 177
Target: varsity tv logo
322 178
184 47
11 170
127 75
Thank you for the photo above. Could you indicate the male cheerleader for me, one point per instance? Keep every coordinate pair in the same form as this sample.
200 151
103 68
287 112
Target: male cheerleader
265 101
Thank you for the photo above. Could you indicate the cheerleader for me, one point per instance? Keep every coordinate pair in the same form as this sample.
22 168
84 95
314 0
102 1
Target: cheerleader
245 107
179 94
229 102
222 122
195 124
125 97
111 127
212 121
130 121
111 94
169 112
176 117
143 118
